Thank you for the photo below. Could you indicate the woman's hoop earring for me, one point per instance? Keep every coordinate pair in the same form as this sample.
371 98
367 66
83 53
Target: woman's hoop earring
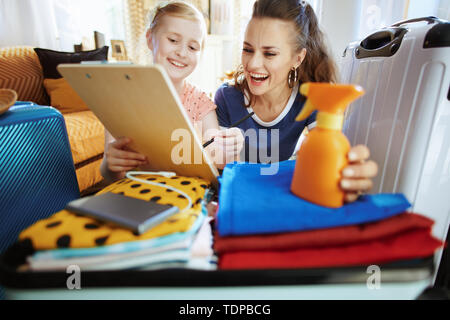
240 72
292 77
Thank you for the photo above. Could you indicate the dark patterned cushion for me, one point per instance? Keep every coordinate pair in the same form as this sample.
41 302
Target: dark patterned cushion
50 59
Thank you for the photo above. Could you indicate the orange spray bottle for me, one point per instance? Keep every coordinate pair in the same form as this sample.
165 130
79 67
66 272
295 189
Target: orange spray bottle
323 153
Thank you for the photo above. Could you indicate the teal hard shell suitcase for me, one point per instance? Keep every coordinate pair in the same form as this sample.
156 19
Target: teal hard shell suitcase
37 174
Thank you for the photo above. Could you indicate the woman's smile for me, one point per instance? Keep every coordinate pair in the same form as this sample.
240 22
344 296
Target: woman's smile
257 79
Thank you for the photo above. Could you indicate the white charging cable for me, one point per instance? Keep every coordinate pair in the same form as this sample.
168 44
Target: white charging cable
167 174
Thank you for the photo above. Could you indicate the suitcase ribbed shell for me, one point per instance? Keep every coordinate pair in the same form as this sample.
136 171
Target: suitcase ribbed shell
37 175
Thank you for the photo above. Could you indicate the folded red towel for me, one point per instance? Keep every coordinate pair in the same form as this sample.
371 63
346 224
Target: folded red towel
323 237
416 243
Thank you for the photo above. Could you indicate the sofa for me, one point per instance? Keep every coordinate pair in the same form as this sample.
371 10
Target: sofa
21 70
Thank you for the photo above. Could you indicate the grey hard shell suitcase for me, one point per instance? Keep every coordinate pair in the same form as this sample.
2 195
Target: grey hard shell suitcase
404 116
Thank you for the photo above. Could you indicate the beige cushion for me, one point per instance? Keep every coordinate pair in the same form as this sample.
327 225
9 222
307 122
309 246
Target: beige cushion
63 97
86 135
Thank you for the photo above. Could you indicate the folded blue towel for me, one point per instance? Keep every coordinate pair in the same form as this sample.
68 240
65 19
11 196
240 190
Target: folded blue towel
252 203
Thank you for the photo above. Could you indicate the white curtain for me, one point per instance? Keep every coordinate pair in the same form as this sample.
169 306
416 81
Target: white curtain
69 24
28 22
438 8
59 24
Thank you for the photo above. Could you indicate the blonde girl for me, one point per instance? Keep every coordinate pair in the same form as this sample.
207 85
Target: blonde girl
176 38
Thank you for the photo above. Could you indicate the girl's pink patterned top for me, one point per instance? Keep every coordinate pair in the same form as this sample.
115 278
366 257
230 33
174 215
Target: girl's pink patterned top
196 102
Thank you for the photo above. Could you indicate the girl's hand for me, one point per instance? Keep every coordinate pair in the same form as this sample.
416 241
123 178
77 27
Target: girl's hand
356 177
228 144
120 159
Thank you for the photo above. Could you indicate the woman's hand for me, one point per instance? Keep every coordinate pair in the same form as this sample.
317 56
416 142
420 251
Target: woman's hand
119 158
356 177
228 144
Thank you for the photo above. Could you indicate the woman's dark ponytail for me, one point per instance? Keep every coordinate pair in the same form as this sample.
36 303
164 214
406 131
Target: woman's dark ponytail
318 65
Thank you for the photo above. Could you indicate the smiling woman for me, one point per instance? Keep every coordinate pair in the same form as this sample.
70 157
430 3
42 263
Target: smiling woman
283 47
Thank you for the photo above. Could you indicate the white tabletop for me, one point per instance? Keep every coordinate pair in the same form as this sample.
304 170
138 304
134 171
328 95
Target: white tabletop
386 291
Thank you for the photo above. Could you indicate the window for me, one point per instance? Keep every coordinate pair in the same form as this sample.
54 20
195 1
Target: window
77 21
59 24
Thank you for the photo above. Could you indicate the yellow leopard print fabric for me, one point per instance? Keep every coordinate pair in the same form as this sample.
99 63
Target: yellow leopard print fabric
69 230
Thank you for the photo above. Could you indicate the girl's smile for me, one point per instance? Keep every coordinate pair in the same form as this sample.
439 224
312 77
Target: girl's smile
177 63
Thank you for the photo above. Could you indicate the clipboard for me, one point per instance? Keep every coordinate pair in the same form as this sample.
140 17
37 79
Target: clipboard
141 103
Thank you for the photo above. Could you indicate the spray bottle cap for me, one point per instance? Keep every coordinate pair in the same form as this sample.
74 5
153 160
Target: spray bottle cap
330 100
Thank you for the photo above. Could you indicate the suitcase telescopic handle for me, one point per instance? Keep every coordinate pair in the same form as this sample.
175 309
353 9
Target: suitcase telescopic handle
383 43
430 20
387 41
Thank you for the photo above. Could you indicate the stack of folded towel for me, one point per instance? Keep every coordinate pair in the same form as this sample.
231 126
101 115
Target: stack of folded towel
182 240
261 224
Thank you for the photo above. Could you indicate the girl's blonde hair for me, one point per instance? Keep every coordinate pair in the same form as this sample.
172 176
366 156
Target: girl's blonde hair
178 9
